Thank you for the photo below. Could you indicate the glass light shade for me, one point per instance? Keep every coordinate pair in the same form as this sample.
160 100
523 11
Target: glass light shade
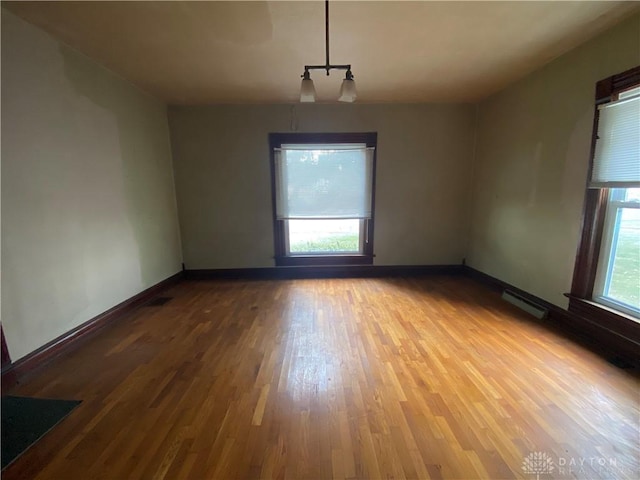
307 91
348 91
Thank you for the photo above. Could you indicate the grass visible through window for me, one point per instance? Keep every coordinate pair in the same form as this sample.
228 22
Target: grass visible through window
335 244
324 236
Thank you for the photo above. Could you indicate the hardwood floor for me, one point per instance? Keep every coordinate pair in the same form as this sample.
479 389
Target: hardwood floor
339 378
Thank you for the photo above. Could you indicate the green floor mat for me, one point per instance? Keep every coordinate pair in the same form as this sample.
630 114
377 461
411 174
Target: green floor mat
25 420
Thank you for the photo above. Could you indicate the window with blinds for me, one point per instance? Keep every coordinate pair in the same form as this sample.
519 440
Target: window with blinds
616 173
616 161
323 181
323 195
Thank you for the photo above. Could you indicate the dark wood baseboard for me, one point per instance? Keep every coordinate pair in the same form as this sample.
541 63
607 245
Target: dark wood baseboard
614 345
332 271
14 371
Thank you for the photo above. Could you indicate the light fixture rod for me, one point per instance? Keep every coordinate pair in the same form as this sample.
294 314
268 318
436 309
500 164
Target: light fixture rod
327 66
326 33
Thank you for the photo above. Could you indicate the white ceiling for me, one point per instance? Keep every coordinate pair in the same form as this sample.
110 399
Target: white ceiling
255 52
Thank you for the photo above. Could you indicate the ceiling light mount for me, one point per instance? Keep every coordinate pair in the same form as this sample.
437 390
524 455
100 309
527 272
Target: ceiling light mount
348 88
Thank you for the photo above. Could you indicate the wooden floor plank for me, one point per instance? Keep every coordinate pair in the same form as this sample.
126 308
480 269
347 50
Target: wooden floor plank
431 377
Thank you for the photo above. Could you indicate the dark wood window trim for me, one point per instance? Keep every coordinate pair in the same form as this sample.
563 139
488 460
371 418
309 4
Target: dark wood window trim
276 140
593 218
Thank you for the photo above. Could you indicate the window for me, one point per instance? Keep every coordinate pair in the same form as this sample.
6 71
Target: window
607 272
617 282
323 197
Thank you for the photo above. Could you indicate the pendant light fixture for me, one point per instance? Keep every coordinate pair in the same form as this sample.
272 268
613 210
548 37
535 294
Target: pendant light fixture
348 87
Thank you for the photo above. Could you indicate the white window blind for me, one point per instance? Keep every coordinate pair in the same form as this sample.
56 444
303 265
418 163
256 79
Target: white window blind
323 181
616 162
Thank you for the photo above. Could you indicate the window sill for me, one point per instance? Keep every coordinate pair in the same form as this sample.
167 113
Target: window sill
606 317
323 260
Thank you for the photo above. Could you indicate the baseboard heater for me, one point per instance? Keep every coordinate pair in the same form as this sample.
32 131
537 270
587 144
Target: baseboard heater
522 303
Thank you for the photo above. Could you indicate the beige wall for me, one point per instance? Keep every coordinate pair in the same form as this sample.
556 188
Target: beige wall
531 166
88 205
221 159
